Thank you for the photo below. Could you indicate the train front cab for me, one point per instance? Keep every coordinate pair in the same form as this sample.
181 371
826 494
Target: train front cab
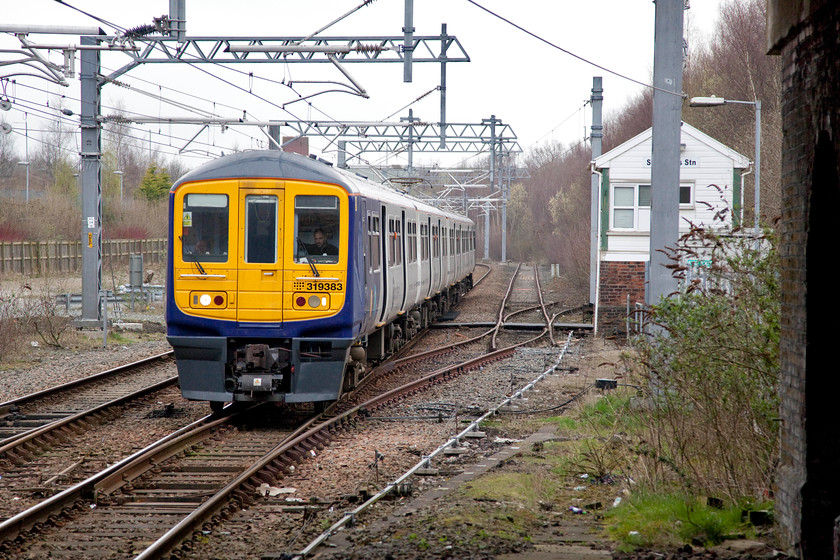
257 313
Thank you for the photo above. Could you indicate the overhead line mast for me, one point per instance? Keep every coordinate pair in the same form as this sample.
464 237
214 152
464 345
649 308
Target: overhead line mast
173 46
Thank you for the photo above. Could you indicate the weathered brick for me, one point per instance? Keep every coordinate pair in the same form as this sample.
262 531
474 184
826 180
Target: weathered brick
808 496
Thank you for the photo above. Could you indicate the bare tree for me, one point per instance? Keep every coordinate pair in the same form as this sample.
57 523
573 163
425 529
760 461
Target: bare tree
734 65
52 158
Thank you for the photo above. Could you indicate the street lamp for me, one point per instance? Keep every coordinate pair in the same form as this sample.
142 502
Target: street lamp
120 173
26 163
717 101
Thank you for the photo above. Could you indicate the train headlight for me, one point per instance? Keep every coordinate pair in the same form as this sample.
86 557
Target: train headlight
208 300
311 301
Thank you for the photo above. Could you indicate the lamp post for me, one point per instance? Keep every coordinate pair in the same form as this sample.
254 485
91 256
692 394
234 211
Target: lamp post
717 101
120 173
26 163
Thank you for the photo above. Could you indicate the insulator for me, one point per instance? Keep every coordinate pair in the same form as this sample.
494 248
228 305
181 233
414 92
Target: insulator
368 48
140 31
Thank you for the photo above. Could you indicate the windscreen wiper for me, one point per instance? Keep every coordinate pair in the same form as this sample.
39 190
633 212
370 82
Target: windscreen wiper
193 255
308 258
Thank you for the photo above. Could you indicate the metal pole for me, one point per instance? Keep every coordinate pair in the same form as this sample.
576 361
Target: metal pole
91 174
665 168
504 187
443 45
596 136
104 296
757 170
342 154
26 139
408 43
492 122
120 174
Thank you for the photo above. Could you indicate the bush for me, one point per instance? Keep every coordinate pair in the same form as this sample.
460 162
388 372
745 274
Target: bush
137 219
12 327
26 313
711 366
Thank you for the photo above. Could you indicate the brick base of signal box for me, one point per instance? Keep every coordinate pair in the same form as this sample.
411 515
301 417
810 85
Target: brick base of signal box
617 281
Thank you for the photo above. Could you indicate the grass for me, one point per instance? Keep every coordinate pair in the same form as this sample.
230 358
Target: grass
650 520
525 488
589 465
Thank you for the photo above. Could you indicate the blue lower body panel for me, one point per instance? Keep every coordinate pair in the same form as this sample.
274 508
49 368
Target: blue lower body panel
256 370
201 367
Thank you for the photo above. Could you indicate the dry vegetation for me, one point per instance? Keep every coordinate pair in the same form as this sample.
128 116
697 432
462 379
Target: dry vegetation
552 206
54 207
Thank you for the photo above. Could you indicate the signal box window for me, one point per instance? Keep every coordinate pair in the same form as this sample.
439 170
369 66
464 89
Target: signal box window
205 228
260 229
631 207
317 229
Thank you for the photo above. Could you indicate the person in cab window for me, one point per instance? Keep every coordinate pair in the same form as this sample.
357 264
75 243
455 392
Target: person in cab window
321 245
201 247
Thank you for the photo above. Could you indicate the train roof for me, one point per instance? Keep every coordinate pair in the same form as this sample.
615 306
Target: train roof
285 165
263 163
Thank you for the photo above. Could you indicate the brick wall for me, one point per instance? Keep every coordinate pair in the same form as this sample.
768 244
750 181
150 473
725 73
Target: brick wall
616 281
808 491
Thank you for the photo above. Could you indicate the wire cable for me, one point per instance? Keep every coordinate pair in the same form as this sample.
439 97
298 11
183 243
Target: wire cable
573 55
100 20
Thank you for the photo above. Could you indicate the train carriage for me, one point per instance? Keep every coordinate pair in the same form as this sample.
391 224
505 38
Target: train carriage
286 276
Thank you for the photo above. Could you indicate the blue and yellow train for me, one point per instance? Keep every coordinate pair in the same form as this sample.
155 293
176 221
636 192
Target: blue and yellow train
287 277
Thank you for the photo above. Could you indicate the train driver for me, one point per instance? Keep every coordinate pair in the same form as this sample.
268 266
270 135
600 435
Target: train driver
321 245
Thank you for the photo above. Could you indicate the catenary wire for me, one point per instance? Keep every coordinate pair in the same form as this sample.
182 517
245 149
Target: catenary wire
570 53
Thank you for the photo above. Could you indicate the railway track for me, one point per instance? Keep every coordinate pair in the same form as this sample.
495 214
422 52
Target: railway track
36 422
20 416
68 432
155 501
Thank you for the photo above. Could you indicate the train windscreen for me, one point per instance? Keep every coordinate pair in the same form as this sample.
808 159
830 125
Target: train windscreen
317 231
205 227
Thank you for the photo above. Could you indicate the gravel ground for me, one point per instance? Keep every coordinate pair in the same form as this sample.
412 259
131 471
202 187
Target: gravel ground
38 365
348 469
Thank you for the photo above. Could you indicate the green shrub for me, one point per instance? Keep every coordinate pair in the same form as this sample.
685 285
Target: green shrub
710 364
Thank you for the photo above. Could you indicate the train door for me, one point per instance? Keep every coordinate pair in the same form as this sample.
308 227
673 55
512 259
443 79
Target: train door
260 281
384 239
427 251
436 268
373 265
403 239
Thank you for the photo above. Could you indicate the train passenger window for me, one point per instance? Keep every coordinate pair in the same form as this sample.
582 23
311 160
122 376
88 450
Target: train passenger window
394 242
373 237
261 229
205 228
392 236
424 242
317 229
411 235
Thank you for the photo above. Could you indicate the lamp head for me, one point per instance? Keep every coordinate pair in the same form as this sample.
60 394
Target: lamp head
706 101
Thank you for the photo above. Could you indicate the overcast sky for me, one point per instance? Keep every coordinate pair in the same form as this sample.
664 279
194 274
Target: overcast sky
535 88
